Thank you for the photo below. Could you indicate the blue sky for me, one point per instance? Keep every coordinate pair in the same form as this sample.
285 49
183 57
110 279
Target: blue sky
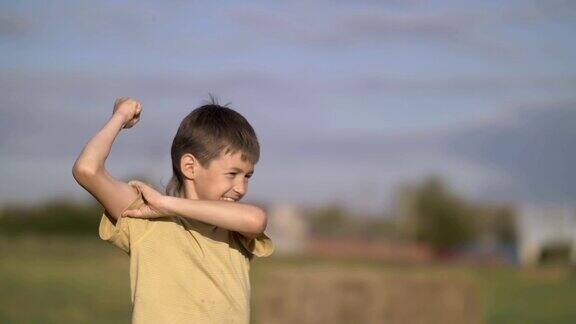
349 98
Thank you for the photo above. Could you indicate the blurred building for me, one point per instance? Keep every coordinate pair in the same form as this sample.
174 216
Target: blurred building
542 226
288 229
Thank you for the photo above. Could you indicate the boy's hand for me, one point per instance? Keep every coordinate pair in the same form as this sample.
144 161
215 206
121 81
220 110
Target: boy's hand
153 203
129 109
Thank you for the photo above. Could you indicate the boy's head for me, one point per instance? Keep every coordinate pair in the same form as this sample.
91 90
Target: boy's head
213 154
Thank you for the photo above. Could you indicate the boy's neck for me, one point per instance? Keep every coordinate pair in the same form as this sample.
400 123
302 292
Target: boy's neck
189 191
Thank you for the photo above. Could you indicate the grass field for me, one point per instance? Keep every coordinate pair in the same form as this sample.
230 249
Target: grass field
84 280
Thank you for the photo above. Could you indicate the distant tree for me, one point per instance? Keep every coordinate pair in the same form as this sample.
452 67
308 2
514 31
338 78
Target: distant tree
333 220
497 223
436 215
505 226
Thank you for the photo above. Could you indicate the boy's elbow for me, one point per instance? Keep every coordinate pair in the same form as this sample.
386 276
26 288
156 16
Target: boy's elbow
83 173
80 172
260 221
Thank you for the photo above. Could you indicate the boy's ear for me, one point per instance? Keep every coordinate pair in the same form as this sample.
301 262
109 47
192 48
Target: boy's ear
188 164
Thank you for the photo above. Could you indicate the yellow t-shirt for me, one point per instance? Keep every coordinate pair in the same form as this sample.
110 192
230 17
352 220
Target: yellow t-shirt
183 270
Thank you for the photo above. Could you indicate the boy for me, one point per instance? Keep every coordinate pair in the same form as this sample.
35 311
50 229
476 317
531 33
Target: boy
190 250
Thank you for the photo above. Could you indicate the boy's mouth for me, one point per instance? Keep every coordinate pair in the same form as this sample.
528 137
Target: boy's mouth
228 199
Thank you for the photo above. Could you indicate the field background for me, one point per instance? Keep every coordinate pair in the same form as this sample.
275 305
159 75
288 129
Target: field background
83 280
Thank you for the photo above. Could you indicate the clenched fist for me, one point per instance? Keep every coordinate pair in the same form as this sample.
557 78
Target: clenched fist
129 109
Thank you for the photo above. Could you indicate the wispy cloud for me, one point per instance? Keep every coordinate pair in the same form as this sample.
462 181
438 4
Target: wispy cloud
534 147
13 26
470 84
529 12
356 26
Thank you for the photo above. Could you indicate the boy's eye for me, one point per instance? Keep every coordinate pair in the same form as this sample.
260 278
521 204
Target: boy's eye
248 176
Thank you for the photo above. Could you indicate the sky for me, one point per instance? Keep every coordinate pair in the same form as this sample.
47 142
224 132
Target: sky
348 98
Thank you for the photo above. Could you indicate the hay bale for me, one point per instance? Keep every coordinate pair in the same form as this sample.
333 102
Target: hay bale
332 295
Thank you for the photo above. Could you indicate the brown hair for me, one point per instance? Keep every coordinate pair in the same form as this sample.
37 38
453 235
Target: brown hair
205 133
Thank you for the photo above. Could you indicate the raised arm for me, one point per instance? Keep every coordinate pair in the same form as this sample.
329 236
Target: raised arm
89 169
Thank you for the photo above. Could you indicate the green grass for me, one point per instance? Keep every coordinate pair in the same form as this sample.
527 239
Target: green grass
85 280
62 280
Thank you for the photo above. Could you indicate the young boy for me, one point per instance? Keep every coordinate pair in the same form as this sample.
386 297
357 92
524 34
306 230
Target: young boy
190 250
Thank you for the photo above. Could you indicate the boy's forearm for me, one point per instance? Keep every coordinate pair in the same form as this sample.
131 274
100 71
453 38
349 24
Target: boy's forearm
229 215
95 152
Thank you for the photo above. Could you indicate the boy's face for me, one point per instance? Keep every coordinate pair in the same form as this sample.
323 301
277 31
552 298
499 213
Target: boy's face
226 176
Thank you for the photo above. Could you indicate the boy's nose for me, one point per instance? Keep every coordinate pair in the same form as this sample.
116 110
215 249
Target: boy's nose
240 189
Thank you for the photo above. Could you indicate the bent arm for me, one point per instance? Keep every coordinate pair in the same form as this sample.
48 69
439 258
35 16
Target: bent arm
90 172
246 219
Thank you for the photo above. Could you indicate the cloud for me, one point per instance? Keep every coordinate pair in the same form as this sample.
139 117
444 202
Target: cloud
94 20
530 12
42 109
468 84
524 155
13 27
356 26
535 148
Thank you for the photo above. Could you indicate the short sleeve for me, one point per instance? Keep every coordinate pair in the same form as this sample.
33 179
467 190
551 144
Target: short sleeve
128 230
260 246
